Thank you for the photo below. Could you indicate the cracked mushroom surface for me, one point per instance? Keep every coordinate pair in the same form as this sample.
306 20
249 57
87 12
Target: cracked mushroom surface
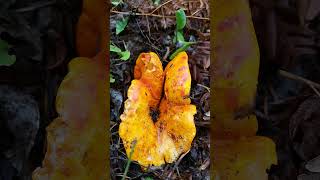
173 132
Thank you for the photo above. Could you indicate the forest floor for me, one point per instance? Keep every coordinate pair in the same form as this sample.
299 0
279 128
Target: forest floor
288 98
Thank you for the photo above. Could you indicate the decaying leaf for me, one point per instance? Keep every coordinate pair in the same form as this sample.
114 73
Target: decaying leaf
172 134
314 165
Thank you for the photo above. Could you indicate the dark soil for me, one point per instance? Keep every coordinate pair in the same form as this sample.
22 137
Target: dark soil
288 107
41 36
144 34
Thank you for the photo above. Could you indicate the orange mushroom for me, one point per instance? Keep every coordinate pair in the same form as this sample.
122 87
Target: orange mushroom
91 30
76 140
172 134
238 154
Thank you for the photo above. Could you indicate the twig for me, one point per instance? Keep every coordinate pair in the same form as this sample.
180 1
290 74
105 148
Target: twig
165 57
36 6
148 25
160 7
196 12
129 160
145 36
203 124
207 88
315 90
312 84
205 164
177 163
156 15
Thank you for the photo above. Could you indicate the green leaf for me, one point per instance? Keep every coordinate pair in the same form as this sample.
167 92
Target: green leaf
121 25
115 49
116 2
5 58
184 47
148 178
180 37
125 55
112 80
156 2
181 19
133 145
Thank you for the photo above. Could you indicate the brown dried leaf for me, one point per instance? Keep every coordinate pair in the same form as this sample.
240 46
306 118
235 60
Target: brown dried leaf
314 165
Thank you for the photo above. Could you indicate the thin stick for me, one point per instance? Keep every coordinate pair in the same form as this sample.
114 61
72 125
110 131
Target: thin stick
129 160
177 163
312 84
296 77
35 6
315 90
160 6
156 15
207 88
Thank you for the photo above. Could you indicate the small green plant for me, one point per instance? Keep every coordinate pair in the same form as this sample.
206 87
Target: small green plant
5 58
112 80
121 25
124 55
116 2
156 2
148 178
181 21
184 47
133 145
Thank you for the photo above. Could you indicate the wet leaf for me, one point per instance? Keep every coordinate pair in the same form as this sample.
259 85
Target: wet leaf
179 36
116 2
181 19
314 165
125 55
112 80
115 49
309 177
121 25
156 2
5 58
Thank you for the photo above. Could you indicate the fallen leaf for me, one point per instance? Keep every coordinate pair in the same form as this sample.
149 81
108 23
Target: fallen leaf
5 58
314 165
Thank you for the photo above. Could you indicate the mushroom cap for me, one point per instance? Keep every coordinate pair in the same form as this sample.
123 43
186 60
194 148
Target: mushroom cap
178 80
76 140
91 29
172 134
148 69
244 158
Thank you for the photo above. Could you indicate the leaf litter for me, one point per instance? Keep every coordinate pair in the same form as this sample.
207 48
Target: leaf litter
40 35
287 100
